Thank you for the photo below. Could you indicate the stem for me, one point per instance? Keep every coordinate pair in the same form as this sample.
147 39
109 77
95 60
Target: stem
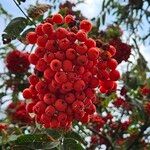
24 13
136 141
104 137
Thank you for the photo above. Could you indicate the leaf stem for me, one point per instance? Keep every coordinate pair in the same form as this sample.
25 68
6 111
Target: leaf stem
24 13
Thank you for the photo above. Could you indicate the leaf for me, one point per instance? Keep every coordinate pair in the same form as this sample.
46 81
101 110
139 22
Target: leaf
53 133
35 12
14 28
71 144
23 35
76 136
36 141
103 18
29 138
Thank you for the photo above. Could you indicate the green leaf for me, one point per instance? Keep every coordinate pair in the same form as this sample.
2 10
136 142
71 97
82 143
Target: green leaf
15 27
76 136
103 18
23 35
71 144
36 141
29 138
53 133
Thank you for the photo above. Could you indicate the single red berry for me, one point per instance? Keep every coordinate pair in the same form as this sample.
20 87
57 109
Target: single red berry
79 85
82 60
27 94
112 50
31 37
57 18
55 65
68 86
81 48
69 19
112 63
49 98
60 77
33 59
69 98
50 110
114 75
33 79
67 65
60 105
93 53
47 28
81 36
85 25
39 30
41 41
90 43
39 107
71 54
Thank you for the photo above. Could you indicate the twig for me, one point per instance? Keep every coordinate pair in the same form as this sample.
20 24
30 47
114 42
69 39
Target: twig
24 13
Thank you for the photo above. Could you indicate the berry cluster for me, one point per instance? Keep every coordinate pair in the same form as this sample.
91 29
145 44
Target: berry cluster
68 68
17 113
17 62
3 126
145 90
123 50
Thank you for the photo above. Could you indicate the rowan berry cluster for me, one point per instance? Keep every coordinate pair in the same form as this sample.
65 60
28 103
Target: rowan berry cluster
145 90
17 113
17 62
68 68
123 50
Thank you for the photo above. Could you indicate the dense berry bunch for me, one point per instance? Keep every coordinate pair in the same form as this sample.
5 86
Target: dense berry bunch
17 112
3 126
68 68
123 50
145 90
17 62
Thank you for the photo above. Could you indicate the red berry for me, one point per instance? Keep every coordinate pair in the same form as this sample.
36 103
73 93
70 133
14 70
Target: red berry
47 28
81 36
33 79
27 94
50 110
112 63
114 75
39 30
60 105
85 25
79 85
60 77
42 40
57 18
55 65
49 98
67 65
93 53
69 19
33 59
31 37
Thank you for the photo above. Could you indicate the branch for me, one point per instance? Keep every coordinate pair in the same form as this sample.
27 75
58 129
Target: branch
104 137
